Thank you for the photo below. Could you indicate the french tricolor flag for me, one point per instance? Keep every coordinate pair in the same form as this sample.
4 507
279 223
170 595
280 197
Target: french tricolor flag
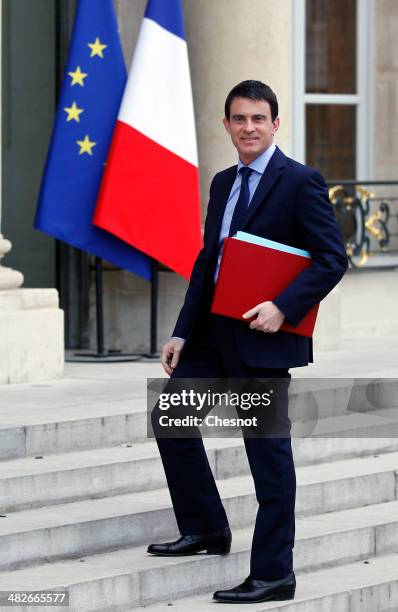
149 195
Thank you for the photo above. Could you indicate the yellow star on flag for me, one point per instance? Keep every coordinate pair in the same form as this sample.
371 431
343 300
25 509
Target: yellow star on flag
78 77
73 112
86 145
97 48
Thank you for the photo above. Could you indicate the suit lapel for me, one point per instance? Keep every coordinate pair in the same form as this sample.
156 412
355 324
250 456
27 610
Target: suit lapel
221 197
272 172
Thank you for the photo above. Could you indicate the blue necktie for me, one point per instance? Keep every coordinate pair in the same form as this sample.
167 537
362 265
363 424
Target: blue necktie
243 201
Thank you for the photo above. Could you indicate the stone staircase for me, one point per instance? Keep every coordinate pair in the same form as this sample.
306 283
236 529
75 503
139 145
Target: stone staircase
82 494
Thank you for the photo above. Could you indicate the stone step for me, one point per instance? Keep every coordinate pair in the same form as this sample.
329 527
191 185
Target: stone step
60 478
363 586
68 425
372 424
74 414
89 526
34 431
126 578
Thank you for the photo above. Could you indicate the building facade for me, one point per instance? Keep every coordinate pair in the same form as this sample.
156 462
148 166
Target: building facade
334 67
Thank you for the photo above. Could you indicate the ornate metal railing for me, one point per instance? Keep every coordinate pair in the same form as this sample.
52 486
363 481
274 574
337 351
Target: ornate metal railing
367 213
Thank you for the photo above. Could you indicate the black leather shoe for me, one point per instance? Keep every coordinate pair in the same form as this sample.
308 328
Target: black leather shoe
215 543
255 591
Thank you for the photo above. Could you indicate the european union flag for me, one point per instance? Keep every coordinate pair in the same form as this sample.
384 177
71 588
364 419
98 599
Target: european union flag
92 90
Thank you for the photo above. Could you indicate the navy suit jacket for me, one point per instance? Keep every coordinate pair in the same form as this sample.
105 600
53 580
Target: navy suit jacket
290 205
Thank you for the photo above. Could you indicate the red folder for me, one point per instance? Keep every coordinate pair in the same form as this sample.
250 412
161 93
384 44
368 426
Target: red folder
250 274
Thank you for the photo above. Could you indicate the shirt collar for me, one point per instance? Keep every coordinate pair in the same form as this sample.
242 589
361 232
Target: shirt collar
260 163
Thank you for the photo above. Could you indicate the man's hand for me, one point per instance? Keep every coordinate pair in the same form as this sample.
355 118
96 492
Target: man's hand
171 354
269 317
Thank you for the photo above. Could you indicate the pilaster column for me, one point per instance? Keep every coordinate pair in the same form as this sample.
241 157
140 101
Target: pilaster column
9 278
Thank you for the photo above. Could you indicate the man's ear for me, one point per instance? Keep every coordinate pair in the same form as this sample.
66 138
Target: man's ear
276 124
226 125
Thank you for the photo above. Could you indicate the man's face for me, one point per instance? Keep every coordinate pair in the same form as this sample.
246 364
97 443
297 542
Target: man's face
250 127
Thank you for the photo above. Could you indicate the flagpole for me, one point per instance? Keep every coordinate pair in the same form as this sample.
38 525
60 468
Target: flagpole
153 354
99 305
154 309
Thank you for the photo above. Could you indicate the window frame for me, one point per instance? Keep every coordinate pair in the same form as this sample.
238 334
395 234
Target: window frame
362 99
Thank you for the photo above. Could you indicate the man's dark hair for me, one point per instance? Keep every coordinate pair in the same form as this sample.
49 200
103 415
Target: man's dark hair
255 90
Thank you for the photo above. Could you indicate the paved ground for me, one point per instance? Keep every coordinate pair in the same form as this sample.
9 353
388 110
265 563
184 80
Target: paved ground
359 358
370 357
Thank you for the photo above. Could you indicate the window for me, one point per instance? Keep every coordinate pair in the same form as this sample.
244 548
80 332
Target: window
330 137
330 46
331 86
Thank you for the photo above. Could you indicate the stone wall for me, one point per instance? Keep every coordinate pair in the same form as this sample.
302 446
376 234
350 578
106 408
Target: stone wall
385 90
228 41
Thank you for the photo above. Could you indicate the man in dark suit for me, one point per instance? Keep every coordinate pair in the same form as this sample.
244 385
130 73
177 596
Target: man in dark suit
272 196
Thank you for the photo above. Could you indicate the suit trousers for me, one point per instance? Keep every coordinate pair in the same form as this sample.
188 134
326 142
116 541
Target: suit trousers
212 353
